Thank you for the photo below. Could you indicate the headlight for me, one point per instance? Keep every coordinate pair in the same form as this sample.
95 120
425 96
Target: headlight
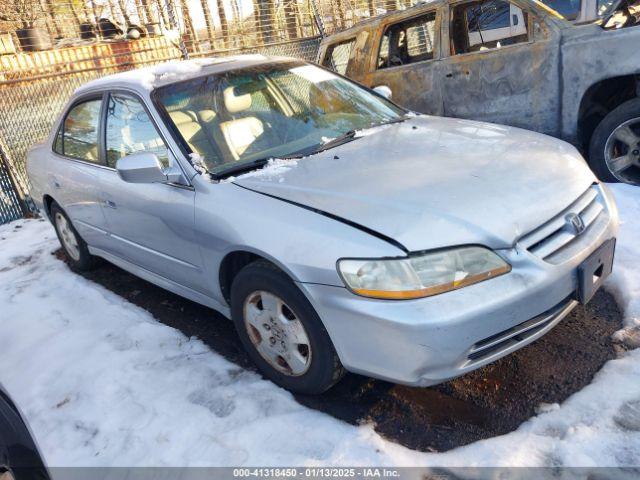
421 275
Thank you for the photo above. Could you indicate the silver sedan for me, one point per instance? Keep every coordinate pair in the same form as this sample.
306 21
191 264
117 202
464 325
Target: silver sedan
336 229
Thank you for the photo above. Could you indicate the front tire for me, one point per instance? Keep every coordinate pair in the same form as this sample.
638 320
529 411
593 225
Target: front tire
72 243
614 150
281 331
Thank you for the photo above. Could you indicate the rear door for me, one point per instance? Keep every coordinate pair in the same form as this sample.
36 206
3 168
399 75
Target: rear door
150 225
501 66
406 59
76 163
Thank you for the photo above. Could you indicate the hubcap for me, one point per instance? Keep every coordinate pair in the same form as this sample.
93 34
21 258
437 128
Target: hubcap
622 151
68 237
277 333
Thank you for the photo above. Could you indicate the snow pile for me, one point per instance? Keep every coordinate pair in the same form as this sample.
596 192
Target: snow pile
625 279
103 383
274 168
198 162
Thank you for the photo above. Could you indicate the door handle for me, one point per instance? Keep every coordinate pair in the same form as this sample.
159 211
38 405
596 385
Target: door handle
110 204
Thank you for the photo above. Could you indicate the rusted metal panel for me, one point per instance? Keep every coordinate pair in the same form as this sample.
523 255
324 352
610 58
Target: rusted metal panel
590 55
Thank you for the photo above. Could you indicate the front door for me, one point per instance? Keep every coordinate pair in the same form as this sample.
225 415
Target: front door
150 225
406 61
502 67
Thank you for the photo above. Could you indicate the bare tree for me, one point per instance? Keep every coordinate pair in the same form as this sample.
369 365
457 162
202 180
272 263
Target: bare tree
125 14
188 25
291 18
208 20
148 11
372 7
20 13
224 25
266 19
51 13
163 12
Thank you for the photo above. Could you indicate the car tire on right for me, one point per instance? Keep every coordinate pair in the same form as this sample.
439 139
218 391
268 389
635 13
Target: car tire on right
281 331
614 150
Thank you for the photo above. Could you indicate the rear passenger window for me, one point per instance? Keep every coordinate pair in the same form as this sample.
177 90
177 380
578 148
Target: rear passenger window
408 42
78 137
130 130
486 25
337 56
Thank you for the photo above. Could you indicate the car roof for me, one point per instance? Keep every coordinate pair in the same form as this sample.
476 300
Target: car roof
367 23
146 79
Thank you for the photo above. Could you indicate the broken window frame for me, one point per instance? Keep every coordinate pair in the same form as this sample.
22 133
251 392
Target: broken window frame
327 60
528 17
435 40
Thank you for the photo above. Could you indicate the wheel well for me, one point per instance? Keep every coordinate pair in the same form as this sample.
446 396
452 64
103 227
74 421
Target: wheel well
47 200
599 99
231 266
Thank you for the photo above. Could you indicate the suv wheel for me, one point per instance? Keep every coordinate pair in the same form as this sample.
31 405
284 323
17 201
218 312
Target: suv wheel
281 331
73 245
614 152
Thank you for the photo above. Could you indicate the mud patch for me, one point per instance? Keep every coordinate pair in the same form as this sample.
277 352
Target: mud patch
488 402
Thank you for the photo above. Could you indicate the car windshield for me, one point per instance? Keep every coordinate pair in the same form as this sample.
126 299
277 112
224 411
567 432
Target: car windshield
248 115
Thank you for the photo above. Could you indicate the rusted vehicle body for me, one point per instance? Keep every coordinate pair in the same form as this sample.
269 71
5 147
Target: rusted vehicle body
517 63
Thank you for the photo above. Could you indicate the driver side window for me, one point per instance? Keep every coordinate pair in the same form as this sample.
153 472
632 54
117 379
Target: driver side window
130 130
408 42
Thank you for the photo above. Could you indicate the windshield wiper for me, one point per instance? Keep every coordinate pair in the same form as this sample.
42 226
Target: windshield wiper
321 147
389 122
240 167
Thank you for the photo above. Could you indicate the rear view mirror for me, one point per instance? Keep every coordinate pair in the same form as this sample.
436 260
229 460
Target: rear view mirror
142 167
383 91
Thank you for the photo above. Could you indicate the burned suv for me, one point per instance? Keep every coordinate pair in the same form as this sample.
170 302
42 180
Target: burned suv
513 62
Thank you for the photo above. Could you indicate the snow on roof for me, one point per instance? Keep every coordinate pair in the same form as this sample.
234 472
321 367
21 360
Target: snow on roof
147 78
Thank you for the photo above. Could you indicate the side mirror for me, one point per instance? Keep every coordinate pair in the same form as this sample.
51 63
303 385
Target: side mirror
142 167
383 91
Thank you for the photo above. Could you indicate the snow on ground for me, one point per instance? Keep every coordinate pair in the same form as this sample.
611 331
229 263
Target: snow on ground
103 383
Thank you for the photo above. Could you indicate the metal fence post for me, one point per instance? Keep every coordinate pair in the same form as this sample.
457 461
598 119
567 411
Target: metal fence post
318 19
173 21
20 196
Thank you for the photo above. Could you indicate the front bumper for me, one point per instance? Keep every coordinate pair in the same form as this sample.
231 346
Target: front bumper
427 341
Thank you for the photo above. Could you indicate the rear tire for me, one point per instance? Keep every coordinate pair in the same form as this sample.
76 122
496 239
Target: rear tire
294 352
74 246
615 137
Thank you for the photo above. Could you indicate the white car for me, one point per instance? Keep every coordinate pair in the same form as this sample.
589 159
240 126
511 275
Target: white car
336 229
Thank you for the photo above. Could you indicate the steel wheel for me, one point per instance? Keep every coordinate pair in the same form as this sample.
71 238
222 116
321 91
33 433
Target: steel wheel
622 151
68 237
277 334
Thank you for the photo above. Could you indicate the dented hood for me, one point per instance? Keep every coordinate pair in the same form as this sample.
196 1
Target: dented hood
432 182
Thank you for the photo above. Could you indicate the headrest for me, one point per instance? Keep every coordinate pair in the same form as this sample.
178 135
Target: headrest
180 117
235 103
206 115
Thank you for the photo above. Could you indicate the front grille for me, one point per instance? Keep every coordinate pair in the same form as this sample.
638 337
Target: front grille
514 335
555 237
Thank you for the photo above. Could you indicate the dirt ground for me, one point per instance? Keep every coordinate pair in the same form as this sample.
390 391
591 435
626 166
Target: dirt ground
488 402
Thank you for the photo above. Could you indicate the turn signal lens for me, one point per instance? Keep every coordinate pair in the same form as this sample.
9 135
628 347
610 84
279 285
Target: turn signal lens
421 275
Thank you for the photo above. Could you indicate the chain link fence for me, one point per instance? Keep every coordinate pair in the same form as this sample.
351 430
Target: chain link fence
48 48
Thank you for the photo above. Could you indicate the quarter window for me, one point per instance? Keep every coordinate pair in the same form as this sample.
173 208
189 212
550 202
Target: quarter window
130 130
408 42
78 137
487 25
337 56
